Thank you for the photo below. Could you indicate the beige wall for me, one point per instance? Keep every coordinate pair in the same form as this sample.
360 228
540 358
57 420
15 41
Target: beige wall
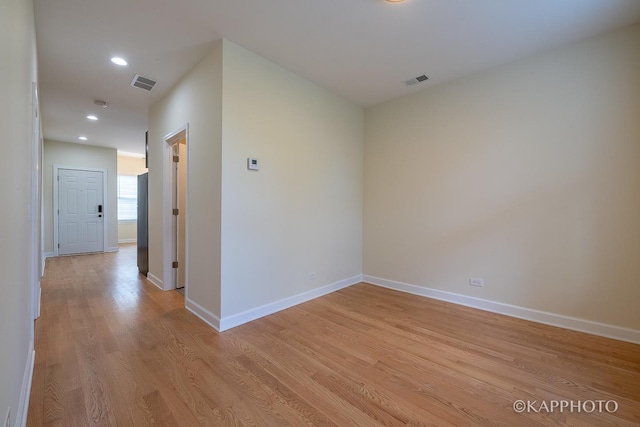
302 212
79 155
130 165
128 230
18 69
527 176
195 100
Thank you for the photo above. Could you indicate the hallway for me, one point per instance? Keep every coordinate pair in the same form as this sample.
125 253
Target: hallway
96 310
112 349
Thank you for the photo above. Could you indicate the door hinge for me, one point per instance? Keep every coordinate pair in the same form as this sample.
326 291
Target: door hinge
58 177
58 245
176 159
176 212
174 264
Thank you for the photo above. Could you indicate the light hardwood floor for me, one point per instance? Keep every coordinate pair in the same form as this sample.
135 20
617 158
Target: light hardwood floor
111 349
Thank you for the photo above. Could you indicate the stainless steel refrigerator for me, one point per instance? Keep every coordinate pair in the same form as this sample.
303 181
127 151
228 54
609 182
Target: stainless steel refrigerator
143 223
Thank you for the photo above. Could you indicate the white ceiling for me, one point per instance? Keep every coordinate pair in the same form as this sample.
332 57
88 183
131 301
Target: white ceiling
362 50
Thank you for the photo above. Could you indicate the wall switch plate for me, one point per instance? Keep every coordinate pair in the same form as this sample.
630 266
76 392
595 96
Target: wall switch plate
253 164
312 276
475 281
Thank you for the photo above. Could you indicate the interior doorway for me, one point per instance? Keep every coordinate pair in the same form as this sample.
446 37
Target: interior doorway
176 210
180 203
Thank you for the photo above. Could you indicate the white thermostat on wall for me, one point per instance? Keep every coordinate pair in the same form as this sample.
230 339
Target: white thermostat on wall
253 164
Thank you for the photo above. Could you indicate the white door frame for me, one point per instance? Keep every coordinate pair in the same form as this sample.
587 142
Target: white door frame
35 207
105 209
168 235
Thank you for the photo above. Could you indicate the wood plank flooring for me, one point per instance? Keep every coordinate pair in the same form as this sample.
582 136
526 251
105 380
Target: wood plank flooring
113 350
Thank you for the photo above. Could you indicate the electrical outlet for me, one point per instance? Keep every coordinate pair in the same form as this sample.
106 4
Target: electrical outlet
475 281
7 421
312 276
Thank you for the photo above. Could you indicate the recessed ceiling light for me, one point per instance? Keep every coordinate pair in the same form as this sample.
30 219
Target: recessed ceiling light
119 61
395 1
99 103
82 138
92 117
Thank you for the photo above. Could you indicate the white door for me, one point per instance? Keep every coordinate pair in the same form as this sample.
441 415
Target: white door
81 216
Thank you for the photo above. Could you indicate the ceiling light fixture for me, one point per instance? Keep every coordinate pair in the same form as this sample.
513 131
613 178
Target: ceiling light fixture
102 104
82 138
119 61
394 1
92 117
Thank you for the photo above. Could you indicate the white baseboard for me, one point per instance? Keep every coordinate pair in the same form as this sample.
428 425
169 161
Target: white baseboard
127 240
39 300
581 325
112 249
247 316
155 280
45 255
25 392
258 312
208 317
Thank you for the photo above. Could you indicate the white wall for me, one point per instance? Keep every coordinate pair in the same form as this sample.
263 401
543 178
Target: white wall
18 69
128 230
302 212
254 237
79 155
527 175
195 100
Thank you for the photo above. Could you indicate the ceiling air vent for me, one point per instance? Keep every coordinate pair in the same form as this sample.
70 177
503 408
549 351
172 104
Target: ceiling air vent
142 82
416 80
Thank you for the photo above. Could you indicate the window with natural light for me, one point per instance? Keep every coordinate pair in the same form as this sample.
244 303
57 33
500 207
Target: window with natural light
127 197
